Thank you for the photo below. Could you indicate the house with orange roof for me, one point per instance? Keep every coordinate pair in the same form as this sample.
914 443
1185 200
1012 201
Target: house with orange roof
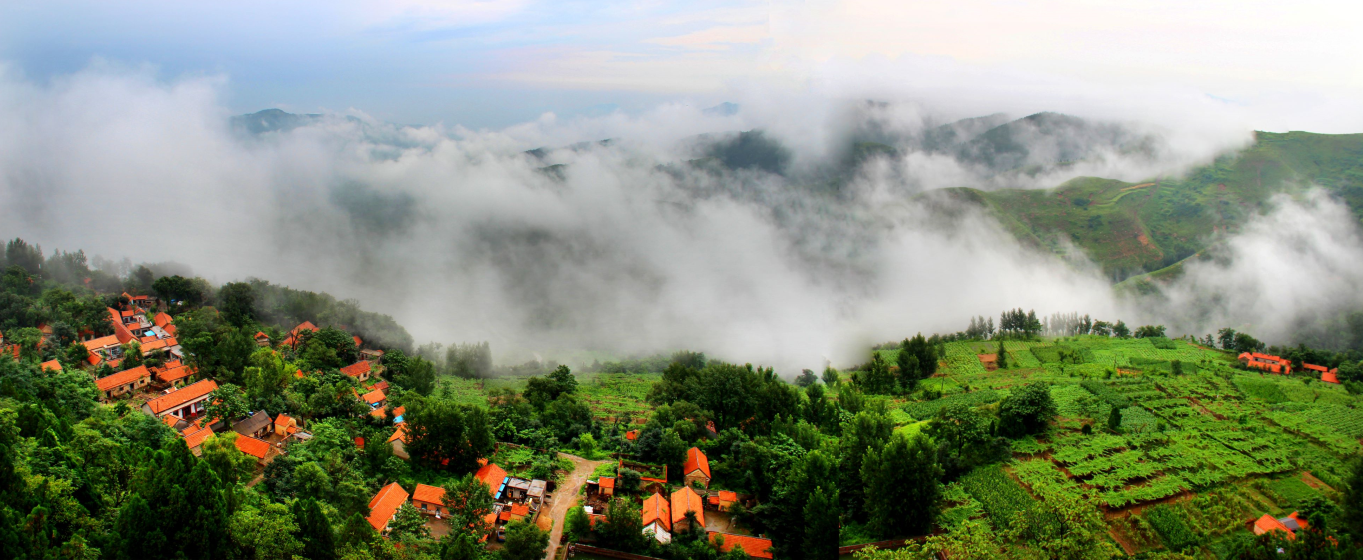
1327 375
169 345
374 399
120 327
161 319
371 354
1267 523
632 435
493 476
285 425
262 339
174 375
195 436
430 500
724 499
253 447
51 365
657 518
358 342
1266 362
104 348
514 512
184 402
384 506
754 547
383 410
607 485
123 382
359 370
292 340
686 501
399 442
697 468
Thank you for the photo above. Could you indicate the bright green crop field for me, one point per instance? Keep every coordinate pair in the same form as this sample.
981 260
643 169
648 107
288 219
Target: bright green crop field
1212 447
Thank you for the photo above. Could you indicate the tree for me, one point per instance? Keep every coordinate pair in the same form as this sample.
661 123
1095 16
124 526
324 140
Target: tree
806 378
357 532
1176 367
1226 337
236 302
468 500
577 525
1351 501
462 546
1114 420
1120 330
408 524
447 436
902 482
830 376
228 462
1062 527
822 525
623 527
1246 343
962 437
1001 356
1150 331
866 431
1028 410
314 531
414 374
226 403
265 530
203 511
524 541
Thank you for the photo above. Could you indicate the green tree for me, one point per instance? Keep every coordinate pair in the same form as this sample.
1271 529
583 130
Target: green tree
357 532
830 376
577 525
227 402
236 302
314 531
408 524
447 436
903 486
623 527
1001 356
962 436
1114 420
265 530
462 546
228 462
866 431
1028 410
1351 501
1062 527
204 518
468 500
524 541
1120 330
822 525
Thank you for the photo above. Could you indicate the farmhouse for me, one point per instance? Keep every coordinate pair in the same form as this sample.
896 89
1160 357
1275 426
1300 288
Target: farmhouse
493 476
430 500
284 425
51 365
724 499
257 425
253 447
183 403
122 382
697 468
174 373
1266 362
359 370
399 442
657 518
262 339
686 501
292 340
385 505
1326 374
1290 525
752 546
195 436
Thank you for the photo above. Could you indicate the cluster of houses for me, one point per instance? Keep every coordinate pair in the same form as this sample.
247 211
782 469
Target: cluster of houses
1280 365
513 499
664 516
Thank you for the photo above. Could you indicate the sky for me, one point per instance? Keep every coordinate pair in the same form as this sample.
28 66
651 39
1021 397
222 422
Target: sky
489 64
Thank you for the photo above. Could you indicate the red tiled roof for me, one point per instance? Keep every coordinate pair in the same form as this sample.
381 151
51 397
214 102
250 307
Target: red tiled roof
169 420
170 329
163 343
259 335
399 434
171 375
357 341
197 437
373 397
182 396
252 446
379 412
1268 523
1330 376
385 504
685 500
428 494
282 422
491 475
607 482
161 319
293 334
122 378
696 460
103 342
516 510
752 546
632 435
382 386
655 508
356 369
53 365
1314 367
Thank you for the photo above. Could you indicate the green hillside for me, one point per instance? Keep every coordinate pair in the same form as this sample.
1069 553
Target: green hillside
1132 228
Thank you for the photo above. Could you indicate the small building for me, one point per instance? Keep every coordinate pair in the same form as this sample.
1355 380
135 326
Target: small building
1327 375
257 425
161 319
103 349
292 340
123 382
723 499
374 399
358 370
174 376
183 403
686 501
372 355
536 493
195 436
52 366
514 512
607 485
262 339
399 442
517 489
657 518
1266 362
494 477
697 468
1290 525
754 547
384 505
253 447
430 500
284 425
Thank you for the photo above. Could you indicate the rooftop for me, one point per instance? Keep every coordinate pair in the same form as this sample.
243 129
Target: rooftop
122 378
181 397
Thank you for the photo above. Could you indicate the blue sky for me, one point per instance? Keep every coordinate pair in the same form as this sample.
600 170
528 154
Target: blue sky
492 63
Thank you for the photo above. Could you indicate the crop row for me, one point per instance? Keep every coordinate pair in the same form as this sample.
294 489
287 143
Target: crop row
1001 498
926 409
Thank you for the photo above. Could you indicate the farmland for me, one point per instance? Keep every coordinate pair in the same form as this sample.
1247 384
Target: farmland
610 396
1195 455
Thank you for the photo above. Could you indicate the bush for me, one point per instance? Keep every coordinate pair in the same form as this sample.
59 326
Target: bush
1171 528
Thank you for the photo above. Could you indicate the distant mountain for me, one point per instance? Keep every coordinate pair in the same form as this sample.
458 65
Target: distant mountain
724 109
1044 140
1154 226
272 120
949 136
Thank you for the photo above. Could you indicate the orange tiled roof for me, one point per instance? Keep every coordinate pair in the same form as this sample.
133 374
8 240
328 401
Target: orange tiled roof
491 475
357 341
53 365
356 369
685 500
428 494
1268 523
1330 376
1314 367
696 460
399 434
122 378
516 511
655 508
385 504
293 334
632 435
161 319
197 437
752 546
283 422
373 397
158 344
171 375
182 396
607 482
252 446
170 329
260 334
102 342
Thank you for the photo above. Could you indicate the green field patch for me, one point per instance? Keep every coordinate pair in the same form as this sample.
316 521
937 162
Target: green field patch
1000 497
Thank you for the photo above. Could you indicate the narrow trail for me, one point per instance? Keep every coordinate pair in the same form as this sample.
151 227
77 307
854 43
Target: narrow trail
565 496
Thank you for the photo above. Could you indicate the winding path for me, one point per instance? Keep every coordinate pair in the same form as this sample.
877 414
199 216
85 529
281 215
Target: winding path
565 496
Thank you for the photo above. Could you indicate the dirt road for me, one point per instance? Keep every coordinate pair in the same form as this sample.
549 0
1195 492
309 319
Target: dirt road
565 496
